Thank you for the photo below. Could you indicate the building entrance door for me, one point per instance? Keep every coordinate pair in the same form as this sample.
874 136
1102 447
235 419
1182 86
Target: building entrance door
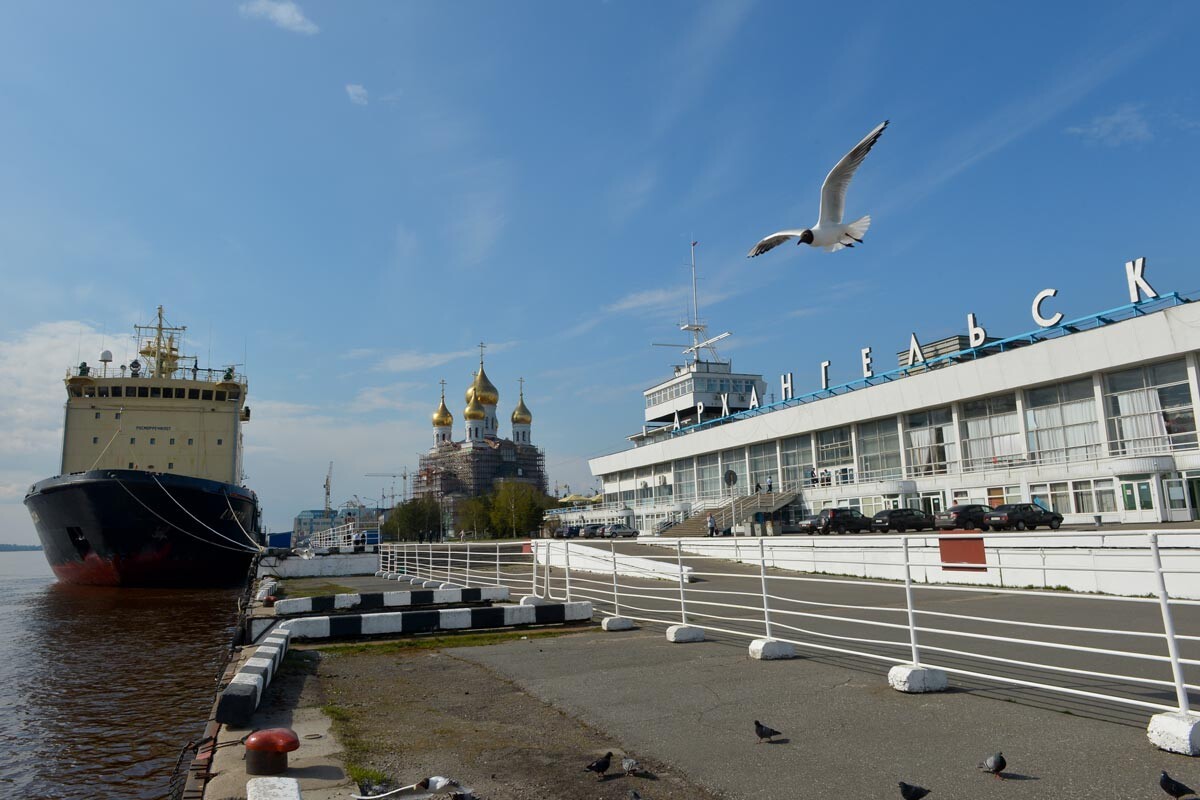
1176 498
931 502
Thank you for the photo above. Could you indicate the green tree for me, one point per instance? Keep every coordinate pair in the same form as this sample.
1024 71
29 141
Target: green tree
414 519
516 509
475 513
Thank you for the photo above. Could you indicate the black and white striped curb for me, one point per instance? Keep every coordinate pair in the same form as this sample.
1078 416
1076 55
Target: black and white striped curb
374 600
446 619
241 697
435 583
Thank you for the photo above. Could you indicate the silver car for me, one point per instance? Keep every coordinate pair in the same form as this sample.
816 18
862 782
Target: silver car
619 531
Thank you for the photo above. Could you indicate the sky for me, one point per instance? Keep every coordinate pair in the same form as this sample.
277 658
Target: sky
346 198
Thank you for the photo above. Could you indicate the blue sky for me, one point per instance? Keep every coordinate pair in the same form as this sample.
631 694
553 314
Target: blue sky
348 197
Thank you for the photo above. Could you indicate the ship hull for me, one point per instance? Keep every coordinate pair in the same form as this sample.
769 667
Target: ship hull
134 528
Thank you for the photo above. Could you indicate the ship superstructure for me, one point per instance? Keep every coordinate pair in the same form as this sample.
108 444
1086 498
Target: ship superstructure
150 491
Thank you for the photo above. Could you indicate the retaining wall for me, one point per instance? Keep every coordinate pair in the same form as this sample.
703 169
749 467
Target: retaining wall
589 558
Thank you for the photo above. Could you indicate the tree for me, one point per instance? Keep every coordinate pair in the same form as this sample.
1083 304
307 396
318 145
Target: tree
415 519
474 514
516 508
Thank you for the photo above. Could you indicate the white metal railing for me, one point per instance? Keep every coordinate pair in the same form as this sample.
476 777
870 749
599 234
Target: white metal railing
1054 641
351 534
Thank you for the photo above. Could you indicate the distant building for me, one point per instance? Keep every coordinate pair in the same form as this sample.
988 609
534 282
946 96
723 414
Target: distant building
472 466
306 523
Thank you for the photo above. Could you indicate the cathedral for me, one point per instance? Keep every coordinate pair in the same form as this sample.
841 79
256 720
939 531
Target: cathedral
471 466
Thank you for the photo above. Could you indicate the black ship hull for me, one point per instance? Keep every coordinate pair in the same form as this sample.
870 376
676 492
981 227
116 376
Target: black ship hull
134 528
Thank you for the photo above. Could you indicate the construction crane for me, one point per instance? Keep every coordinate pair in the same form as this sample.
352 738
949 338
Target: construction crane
393 475
328 484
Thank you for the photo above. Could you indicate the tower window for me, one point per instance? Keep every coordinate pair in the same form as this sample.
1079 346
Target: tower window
172 440
133 440
190 441
97 415
131 465
206 394
152 440
170 465
95 440
220 442
117 415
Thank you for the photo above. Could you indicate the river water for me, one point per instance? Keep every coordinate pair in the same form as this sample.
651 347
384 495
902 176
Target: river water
101 687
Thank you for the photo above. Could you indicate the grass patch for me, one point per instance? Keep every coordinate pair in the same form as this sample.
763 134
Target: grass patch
439 642
312 589
365 776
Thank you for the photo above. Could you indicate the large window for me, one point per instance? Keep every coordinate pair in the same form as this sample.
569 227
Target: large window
878 450
735 460
708 476
795 454
929 439
1094 497
1061 422
1149 409
763 463
991 432
685 479
1053 496
833 447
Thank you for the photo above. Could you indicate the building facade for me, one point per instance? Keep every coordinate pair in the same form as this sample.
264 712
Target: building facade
1093 418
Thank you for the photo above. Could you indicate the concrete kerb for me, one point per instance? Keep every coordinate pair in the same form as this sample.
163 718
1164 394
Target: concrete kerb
913 679
432 620
771 650
241 697
617 624
1176 732
685 633
376 600
273 789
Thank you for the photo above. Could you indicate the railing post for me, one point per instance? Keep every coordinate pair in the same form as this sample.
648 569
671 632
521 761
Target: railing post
533 575
567 559
616 597
546 571
1168 625
467 574
431 561
908 602
497 563
449 559
762 572
682 598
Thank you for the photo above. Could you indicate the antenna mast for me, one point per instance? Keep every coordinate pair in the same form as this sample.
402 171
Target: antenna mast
328 482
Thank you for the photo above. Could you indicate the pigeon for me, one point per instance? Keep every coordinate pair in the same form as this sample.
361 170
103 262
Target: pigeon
600 765
634 794
630 765
1173 787
829 232
994 764
912 792
763 732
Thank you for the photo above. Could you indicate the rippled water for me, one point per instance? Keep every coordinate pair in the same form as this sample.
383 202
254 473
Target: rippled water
101 687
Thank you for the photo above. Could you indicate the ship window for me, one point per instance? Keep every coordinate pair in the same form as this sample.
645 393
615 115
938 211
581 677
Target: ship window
131 465
97 415
172 441
189 441
117 415
179 394
220 397
74 390
116 391
170 465
220 442
95 440
151 440
131 391
156 391
89 391
193 394
102 391
143 391
133 440
206 394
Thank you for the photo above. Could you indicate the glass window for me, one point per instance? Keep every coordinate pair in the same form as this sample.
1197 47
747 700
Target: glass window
796 459
879 450
1149 409
833 446
764 462
685 478
1060 422
735 460
991 433
929 440
708 478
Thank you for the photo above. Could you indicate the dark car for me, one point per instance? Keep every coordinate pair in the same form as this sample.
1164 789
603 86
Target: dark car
965 517
619 530
567 532
591 531
901 520
841 520
1022 517
807 524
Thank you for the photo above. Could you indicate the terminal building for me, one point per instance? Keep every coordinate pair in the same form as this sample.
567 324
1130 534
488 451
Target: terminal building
1093 417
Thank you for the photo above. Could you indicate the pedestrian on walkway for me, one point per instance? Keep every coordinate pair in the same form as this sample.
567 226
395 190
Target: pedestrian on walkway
712 525
757 487
770 485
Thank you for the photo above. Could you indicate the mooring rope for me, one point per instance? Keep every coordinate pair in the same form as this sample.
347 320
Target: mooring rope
254 549
240 548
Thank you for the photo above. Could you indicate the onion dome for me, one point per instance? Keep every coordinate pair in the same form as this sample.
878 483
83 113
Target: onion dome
474 409
521 415
470 395
485 390
442 418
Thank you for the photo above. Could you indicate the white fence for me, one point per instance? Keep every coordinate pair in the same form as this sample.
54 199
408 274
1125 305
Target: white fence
351 534
1094 648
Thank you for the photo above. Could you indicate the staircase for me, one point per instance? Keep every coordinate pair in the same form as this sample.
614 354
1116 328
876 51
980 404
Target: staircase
731 512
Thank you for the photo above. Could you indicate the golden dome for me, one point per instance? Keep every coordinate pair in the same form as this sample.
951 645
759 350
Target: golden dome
442 418
470 395
474 410
521 415
485 390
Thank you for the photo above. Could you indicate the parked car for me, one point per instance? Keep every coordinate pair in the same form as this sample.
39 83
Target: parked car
841 520
807 524
1022 517
965 517
619 530
567 532
591 531
901 520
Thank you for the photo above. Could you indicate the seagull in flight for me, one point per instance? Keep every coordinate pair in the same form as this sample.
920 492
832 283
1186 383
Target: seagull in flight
830 232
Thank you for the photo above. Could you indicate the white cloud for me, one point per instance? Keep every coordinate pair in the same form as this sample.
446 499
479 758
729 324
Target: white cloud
357 93
410 360
652 300
1126 125
281 13
389 398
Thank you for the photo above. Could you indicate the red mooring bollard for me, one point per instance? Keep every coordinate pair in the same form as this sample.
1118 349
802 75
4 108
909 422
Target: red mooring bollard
266 750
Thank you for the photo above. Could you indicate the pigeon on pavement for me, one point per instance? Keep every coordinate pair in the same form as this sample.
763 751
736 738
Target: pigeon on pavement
634 795
600 765
829 232
912 792
630 765
1173 787
994 764
763 732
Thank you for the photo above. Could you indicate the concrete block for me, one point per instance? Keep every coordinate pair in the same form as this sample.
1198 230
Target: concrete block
446 594
448 586
266 663
577 611
617 624
493 593
914 680
533 600
685 633
309 628
451 618
344 601
1175 732
524 614
432 584
771 649
273 789
387 622
272 652
299 605
397 598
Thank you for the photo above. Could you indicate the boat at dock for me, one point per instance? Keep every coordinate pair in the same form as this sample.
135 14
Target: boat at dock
151 490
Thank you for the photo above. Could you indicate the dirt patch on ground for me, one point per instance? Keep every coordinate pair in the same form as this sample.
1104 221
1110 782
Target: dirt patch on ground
410 713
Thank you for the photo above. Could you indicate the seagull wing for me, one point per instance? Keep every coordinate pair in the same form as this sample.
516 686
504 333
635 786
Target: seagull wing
833 191
771 242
